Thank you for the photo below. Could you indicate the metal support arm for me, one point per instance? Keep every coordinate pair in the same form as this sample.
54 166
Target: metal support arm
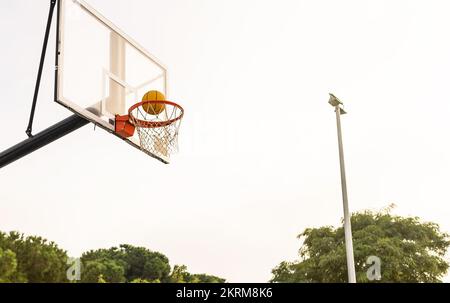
41 139
41 65
53 132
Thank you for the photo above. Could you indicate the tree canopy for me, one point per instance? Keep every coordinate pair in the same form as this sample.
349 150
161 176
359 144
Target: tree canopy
34 259
30 259
125 263
128 263
181 275
409 250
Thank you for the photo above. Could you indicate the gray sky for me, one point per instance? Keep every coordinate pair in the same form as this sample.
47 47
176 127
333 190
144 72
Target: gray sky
258 159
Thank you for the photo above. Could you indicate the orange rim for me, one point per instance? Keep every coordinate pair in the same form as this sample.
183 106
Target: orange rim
153 124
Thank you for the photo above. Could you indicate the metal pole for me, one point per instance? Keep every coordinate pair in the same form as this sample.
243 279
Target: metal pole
41 139
57 51
347 224
41 65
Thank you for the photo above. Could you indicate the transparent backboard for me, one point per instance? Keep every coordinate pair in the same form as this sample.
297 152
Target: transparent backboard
101 71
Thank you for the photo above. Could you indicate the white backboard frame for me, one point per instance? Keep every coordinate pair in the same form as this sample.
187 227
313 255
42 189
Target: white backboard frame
97 113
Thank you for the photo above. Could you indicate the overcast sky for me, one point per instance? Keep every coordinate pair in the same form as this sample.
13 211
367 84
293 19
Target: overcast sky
258 157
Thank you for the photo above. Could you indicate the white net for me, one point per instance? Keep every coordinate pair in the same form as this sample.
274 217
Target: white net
158 133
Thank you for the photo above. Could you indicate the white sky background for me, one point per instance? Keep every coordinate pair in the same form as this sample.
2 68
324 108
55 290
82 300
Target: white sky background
258 160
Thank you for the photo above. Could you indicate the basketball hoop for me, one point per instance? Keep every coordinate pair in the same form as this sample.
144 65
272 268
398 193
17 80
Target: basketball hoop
158 133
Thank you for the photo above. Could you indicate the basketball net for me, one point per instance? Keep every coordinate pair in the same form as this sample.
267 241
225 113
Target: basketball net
158 134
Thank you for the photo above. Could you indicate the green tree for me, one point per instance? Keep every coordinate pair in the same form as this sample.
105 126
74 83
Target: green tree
204 278
410 251
181 275
143 281
8 265
138 265
137 262
103 271
36 259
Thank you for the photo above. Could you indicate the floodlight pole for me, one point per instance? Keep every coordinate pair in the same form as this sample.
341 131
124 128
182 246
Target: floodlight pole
336 103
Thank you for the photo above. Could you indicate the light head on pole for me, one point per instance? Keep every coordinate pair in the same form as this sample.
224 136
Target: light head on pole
335 102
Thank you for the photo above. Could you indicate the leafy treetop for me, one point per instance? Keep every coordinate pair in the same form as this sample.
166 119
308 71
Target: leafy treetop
410 251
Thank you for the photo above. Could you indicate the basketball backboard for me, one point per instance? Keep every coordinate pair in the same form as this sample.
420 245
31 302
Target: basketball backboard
101 71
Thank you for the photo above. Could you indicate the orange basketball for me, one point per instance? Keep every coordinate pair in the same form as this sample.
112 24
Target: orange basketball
152 108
